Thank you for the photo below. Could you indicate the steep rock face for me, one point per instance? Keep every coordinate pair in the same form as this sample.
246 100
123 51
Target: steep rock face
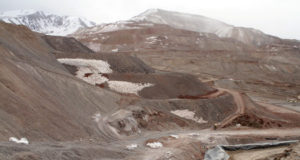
200 23
46 23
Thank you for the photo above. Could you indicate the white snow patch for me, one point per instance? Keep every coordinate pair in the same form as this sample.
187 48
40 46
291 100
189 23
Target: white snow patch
155 145
109 27
115 50
188 115
146 24
194 134
99 66
127 87
131 146
96 47
20 141
94 79
97 117
174 136
151 39
271 67
104 37
89 70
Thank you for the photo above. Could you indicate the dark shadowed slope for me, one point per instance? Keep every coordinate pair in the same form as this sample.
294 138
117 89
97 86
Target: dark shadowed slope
66 44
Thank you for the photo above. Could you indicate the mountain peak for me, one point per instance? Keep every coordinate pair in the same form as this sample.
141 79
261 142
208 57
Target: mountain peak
199 23
18 13
145 14
45 22
184 21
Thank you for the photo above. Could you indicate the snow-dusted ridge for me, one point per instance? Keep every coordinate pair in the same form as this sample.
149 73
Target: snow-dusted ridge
204 24
185 21
110 27
45 22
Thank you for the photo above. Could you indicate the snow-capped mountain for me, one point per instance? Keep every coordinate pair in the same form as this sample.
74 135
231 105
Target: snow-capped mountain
200 23
46 23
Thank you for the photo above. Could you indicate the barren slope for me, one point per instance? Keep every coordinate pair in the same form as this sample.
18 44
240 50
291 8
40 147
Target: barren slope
71 104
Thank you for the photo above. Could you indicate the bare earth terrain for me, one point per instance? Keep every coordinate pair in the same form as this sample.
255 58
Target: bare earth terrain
146 91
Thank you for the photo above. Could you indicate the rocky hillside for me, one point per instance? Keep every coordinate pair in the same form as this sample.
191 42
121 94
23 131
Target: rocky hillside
132 36
46 23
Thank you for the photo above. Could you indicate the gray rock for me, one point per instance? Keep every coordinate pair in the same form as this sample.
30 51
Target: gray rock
217 153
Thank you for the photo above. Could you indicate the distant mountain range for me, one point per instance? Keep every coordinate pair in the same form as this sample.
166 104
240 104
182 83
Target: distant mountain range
46 23
52 24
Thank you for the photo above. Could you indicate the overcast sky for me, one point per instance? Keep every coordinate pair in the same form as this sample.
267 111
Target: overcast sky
276 17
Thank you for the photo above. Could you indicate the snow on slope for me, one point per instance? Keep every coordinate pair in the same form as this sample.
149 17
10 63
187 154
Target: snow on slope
110 27
127 87
46 23
188 115
20 141
154 145
91 71
200 23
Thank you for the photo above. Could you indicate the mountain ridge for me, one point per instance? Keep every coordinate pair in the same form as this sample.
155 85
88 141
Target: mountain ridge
46 22
201 23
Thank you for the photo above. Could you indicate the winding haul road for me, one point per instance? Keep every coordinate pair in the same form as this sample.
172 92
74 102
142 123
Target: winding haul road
238 99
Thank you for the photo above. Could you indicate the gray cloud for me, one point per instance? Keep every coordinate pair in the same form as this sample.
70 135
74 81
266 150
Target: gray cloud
276 17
